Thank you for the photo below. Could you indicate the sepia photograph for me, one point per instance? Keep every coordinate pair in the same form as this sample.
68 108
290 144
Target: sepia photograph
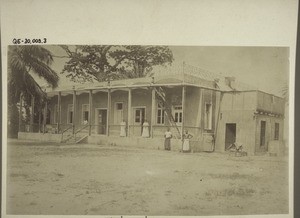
129 108
110 129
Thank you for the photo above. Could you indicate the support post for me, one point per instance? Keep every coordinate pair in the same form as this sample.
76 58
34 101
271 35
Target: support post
153 111
32 114
45 117
20 112
74 111
183 111
39 121
90 111
58 111
129 112
108 111
199 120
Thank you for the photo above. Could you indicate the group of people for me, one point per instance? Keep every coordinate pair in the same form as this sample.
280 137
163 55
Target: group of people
168 136
145 129
185 140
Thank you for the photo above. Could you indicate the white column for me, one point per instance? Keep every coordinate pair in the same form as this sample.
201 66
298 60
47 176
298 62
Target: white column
108 111
39 121
153 106
183 110
58 111
199 120
45 116
90 111
32 114
74 111
129 112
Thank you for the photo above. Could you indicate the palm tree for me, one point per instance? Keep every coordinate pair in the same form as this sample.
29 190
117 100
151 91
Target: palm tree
23 63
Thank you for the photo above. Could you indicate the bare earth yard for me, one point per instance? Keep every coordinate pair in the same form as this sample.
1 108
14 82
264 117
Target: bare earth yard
94 179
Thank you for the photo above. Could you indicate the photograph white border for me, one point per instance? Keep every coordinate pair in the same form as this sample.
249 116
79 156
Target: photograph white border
167 22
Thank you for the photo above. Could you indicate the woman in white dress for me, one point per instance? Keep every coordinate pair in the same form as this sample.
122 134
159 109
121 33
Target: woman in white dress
186 141
145 132
123 129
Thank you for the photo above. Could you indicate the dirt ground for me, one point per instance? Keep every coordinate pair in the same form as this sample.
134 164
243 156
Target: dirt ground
94 179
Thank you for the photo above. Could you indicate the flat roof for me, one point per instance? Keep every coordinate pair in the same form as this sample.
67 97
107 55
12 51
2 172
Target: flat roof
171 76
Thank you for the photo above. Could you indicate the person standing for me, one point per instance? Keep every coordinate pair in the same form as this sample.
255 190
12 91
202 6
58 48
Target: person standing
145 132
123 129
168 136
186 141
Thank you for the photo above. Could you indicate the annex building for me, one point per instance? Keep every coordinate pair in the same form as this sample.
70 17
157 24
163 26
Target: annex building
216 110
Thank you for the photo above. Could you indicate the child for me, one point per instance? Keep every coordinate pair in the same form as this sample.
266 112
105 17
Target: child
168 136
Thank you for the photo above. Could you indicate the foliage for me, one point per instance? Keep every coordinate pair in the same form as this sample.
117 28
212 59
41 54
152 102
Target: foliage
100 62
13 121
23 62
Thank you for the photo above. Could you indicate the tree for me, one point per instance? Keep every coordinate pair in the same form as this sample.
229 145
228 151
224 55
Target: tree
23 63
100 62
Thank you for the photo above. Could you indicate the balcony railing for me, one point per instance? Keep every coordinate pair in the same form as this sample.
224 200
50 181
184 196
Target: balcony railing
69 130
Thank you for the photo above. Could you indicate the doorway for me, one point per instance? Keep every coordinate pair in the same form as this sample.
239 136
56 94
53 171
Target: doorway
101 121
139 117
262 133
230 134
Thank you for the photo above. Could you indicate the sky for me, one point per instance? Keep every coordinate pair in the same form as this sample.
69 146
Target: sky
266 68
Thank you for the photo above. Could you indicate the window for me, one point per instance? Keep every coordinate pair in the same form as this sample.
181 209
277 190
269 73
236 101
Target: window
139 115
160 115
118 113
85 113
119 106
137 118
55 118
208 116
70 114
273 99
177 113
276 135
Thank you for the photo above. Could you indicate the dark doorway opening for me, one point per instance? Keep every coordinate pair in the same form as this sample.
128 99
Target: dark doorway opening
48 118
262 133
139 117
230 134
101 121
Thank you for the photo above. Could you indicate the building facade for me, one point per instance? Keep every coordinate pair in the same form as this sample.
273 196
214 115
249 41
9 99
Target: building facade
216 111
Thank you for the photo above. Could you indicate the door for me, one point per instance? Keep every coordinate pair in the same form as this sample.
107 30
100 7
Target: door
101 121
139 117
262 133
230 134
177 114
118 113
